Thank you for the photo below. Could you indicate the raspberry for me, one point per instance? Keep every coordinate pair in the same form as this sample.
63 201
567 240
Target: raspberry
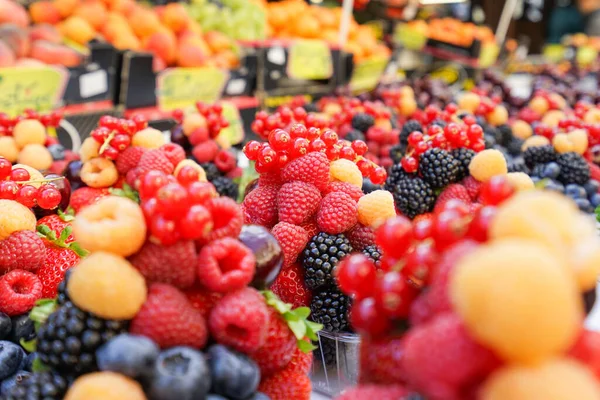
337 213
240 320
453 191
360 237
225 161
346 171
351 190
15 217
473 187
202 300
441 361
279 346
587 350
85 196
19 290
227 218
23 250
286 385
175 265
292 239
99 172
301 362
132 177
289 286
169 319
310 227
261 205
380 361
105 385
311 168
174 152
225 265
155 160
376 207
129 159
269 178
205 151
297 202
361 392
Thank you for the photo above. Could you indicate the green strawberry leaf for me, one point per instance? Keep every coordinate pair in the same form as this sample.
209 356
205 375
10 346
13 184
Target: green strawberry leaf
38 366
306 347
298 328
42 309
127 192
29 346
68 216
302 312
541 183
598 213
46 233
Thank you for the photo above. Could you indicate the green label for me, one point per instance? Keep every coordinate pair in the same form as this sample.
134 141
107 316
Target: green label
488 55
367 74
409 37
586 55
310 60
234 133
182 87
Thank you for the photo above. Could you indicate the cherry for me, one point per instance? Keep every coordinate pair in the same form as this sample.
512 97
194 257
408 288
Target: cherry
48 197
393 295
8 190
26 195
365 317
496 190
356 275
394 236
196 224
173 200
19 175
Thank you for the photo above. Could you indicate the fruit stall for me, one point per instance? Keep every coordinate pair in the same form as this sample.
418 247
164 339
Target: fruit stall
298 200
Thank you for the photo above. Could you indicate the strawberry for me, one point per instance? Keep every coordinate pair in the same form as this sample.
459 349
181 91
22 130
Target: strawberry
287 384
301 361
85 196
279 346
290 287
473 187
58 222
380 361
21 250
454 191
587 350
383 392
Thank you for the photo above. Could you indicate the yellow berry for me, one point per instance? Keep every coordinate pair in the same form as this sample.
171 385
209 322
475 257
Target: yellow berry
346 171
534 141
499 116
562 144
559 100
105 386
592 116
89 149
195 165
34 174
486 164
520 181
539 104
521 129
99 172
192 122
579 138
556 379
148 138
376 207
108 286
113 224
408 106
517 299
36 156
15 217
8 148
552 117
584 259
407 91
29 131
469 102
332 109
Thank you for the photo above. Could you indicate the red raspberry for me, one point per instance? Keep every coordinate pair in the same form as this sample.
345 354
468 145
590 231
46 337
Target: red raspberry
311 228
587 350
198 135
174 152
202 300
225 265
225 161
240 320
175 264
57 223
206 151
454 191
337 214
23 250
297 202
269 178
345 187
388 392
594 171
169 319
380 361
19 290
472 186
441 361
292 239
58 167
279 346
235 173
289 286
422 217
286 385
85 196
227 219
261 205
155 160
129 159
360 237
132 177
301 362
311 168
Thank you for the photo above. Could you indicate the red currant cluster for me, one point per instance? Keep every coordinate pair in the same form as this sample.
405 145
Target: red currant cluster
284 146
48 120
411 250
342 109
452 136
264 123
174 206
212 113
16 184
115 134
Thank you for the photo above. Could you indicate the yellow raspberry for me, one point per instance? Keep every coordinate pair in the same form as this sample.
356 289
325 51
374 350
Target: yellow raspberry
487 164
592 116
346 171
107 285
104 386
584 259
8 148
376 207
148 138
552 117
15 217
534 141
469 102
89 149
579 138
520 181
521 129
192 122
36 156
191 163
498 116
29 131
562 144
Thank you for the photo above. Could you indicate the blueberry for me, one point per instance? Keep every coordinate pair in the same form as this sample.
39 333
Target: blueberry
179 373
5 326
57 151
575 191
234 375
551 170
259 396
28 364
595 199
591 187
555 186
22 328
11 356
215 397
129 355
584 205
12 380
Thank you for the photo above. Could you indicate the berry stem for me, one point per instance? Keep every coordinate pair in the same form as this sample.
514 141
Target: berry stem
106 143
39 181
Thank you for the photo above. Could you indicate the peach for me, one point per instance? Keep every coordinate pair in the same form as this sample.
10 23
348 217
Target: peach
127 42
17 38
78 29
45 32
162 44
122 6
94 13
144 22
66 7
51 53
192 54
44 12
13 12
7 56
217 41
175 17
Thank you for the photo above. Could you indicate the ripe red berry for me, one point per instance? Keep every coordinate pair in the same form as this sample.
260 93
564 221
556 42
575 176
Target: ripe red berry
251 150
420 263
449 226
173 200
151 182
360 147
188 175
348 153
140 122
422 229
378 176
496 190
48 197
164 230
110 152
19 175
366 318
5 168
479 226
317 145
394 295
196 224
410 164
414 138
356 275
120 142
280 140
394 236
366 167
299 147
26 195
8 190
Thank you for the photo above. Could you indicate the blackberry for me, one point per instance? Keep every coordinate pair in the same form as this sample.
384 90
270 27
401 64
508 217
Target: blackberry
373 253
369 186
517 164
438 168
514 146
39 386
226 187
538 170
362 122
68 340
539 155
413 196
212 172
489 140
409 127
504 135
353 135
489 130
397 151
395 175
321 255
330 307
63 296
573 168
464 157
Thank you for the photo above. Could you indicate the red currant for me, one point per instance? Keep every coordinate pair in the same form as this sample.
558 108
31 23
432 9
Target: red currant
280 140
415 138
421 147
173 200
267 156
121 142
356 275
251 150
313 134
140 122
394 236
188 175
420 263
299 147
496 190
478 146
19 175
475 132
329 137
151 182
360 147
393 295
8 190
333 153
196 224
449 226
109 122
298 131
365 317
110 152
164 230
347 153
26 195
201 192
469 120
177 115
258 127
479 226
100 134
422 229
378 176
5 168
410 164
48 197
318 145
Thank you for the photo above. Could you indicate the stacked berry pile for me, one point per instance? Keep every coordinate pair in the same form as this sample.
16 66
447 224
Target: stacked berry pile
502 314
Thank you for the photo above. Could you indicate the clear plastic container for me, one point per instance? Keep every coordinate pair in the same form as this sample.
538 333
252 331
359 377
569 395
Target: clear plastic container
335 363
